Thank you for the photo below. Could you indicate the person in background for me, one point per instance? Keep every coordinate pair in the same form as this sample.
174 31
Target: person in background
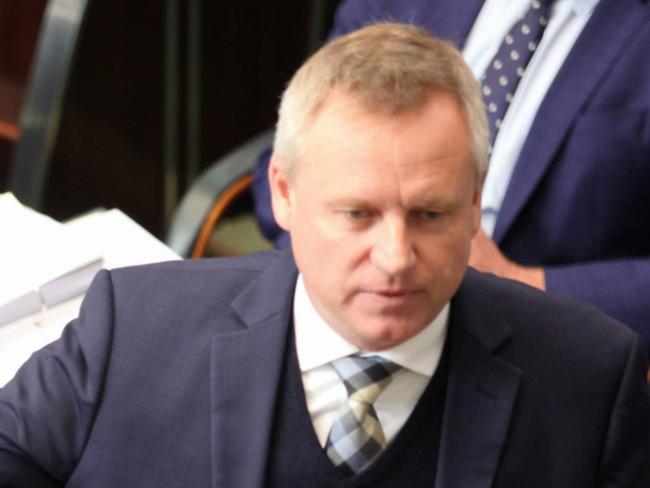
368 355
566 88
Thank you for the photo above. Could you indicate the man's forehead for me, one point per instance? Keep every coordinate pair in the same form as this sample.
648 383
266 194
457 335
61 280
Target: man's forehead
345 131
343 121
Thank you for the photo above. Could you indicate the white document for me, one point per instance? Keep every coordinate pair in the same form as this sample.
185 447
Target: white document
42 262
120 241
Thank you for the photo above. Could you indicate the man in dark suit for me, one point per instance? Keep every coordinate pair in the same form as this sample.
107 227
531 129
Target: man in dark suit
369 355
569 213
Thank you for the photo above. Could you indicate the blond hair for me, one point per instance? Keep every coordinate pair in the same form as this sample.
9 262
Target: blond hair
389 68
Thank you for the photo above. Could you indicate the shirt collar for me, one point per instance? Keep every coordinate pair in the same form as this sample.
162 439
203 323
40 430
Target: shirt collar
318 344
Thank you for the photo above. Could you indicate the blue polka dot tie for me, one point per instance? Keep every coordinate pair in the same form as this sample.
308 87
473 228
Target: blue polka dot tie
356 437
502 76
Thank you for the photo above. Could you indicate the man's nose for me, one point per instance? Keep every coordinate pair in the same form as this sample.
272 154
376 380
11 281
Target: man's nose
393 249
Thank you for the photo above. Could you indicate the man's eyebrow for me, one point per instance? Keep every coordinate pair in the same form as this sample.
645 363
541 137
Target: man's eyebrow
426 203
348 202
431 201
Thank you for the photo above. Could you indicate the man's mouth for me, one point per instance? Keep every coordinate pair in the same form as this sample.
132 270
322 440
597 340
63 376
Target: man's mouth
391 296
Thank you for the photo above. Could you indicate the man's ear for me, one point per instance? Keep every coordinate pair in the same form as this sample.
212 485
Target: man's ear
282 198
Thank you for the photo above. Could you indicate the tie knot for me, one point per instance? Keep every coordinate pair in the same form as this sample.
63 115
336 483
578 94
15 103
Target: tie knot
364 377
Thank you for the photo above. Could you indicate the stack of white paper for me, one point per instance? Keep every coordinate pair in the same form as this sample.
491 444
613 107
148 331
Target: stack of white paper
42 262
111 234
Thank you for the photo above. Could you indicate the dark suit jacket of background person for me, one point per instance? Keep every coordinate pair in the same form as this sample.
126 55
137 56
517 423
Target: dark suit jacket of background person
579 199
170 375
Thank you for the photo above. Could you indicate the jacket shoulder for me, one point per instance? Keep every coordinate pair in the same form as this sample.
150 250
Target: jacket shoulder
543 320
191 289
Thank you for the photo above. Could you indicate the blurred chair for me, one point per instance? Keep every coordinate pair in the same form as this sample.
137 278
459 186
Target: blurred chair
215 217
42 107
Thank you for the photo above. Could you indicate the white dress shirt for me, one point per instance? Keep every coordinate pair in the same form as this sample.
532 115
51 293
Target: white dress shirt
317 345
567 19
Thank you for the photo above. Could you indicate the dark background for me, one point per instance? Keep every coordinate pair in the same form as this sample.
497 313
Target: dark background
110 149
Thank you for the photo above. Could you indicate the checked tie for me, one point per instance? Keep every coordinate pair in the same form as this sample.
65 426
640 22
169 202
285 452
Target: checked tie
502 76
356 437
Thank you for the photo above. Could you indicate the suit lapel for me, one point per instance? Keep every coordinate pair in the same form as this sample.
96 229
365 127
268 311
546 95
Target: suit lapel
481 393
604 37
246 374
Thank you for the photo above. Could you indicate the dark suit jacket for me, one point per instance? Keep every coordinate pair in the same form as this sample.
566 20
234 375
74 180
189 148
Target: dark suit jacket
170 374
579 199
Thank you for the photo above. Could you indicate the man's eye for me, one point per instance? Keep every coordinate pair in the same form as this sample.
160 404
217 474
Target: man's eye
427 215
357 214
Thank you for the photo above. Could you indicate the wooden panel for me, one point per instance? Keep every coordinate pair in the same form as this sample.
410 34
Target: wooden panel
110 147
11 96
19 24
